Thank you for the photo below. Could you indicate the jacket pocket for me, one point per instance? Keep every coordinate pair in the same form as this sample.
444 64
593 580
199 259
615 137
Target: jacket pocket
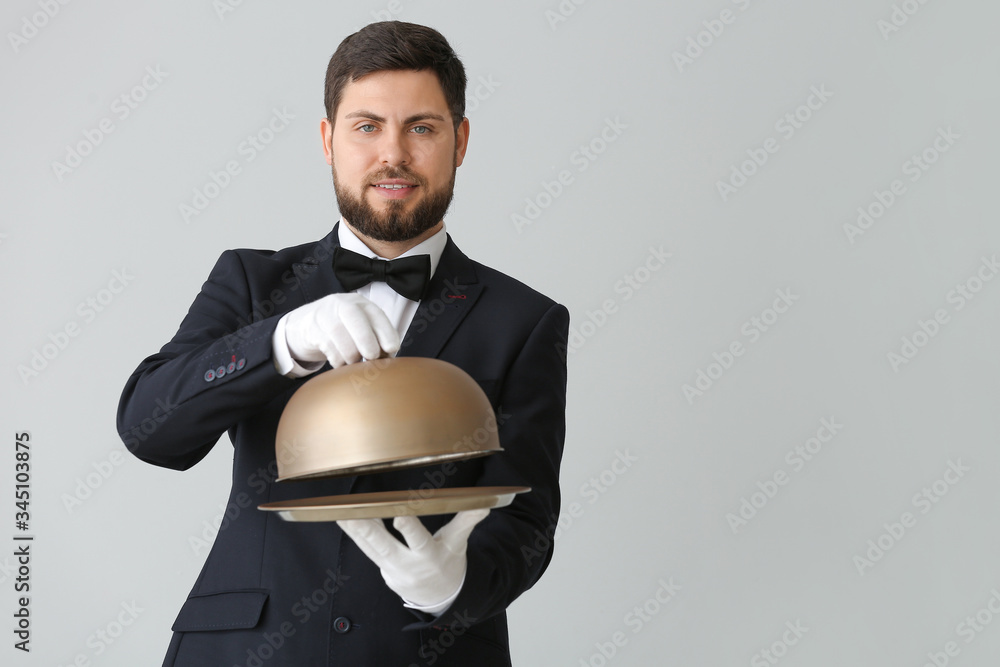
225 610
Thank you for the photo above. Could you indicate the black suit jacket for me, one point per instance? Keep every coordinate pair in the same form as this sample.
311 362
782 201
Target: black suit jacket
278 593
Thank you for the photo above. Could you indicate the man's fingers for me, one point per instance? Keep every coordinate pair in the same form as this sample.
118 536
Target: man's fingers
332 354
357 529
357 325
456 532
345 328
388 337
334 340
371 537
412 530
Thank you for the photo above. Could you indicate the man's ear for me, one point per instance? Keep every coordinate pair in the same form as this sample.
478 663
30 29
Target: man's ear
326 130
461 141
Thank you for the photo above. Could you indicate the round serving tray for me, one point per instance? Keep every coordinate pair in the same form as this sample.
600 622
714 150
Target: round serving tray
387 504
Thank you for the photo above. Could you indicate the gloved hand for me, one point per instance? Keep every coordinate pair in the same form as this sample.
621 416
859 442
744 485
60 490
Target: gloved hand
428 570
341 329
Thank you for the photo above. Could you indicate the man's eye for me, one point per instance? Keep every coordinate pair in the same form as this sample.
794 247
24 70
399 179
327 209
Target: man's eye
367 128
421 129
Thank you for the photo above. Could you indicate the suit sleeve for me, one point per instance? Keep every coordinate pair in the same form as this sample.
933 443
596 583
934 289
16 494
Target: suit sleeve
512 547
215 371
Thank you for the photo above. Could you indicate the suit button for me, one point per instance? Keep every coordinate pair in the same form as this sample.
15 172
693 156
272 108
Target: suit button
209 375
231 368
240 364
342 624
220 371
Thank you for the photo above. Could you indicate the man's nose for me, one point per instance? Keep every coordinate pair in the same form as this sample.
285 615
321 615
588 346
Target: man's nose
393 148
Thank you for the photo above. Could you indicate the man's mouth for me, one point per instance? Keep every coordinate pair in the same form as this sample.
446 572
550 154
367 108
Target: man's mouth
394 188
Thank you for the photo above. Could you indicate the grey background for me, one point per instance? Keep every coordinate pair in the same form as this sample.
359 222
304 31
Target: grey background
554 86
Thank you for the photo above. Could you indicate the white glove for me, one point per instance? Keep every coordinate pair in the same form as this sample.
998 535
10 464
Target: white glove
431 569
341 329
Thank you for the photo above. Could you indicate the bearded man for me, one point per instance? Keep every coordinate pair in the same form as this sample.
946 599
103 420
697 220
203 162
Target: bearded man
358 592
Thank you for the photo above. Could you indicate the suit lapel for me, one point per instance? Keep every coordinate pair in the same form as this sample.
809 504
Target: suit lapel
315 272
451 294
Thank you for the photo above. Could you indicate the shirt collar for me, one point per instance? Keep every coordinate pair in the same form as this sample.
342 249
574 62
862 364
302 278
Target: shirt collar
433 246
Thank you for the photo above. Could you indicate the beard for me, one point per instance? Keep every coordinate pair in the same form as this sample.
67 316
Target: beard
394 223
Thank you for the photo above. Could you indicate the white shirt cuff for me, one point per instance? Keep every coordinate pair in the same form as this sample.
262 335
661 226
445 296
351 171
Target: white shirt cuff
283 361
439 608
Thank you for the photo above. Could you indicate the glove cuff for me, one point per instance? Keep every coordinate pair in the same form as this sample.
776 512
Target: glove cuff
439 608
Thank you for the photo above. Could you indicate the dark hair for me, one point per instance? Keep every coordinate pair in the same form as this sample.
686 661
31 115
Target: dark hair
395 45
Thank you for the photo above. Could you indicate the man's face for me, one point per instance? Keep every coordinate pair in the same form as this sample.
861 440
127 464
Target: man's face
394 151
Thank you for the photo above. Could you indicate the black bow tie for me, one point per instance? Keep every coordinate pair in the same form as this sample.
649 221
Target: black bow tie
408 276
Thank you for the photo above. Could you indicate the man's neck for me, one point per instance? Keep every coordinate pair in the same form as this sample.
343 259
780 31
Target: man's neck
393 249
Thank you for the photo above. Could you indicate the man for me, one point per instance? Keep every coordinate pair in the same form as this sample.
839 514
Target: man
279 593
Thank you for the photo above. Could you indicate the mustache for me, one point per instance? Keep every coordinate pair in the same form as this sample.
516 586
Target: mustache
395 172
